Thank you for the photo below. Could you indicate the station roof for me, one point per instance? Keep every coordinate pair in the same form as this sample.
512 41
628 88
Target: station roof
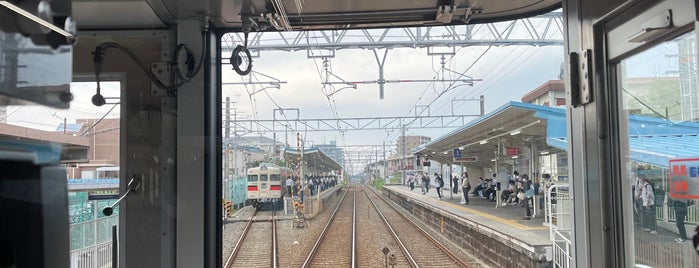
313 157
652 140
655 140
516 124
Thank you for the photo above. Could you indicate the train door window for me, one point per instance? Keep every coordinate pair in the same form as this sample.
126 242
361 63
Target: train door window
657 100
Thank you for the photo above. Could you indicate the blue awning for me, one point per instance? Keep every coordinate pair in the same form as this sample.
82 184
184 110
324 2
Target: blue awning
652 140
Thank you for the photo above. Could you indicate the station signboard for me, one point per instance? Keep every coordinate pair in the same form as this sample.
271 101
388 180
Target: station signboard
684 178
102 195
458 157
511 151
466 159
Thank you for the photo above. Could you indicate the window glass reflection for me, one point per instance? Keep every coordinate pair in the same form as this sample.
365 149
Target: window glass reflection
660 104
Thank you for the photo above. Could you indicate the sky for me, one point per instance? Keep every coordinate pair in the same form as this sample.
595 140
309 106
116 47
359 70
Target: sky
48 119
507 74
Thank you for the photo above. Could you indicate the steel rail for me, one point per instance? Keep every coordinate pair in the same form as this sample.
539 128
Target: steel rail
404 249
354 229
307 262
236 248
416 226
243 236
274 240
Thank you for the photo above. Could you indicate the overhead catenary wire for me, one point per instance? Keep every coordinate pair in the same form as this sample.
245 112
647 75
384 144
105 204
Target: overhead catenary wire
99 120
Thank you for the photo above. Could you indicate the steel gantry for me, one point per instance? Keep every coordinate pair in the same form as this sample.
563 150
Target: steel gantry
354 123
543 30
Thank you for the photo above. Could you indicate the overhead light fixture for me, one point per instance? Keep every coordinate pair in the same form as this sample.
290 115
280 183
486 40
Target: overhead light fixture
461 148
446 152
494 159
544 152
515 132
483 142
515 157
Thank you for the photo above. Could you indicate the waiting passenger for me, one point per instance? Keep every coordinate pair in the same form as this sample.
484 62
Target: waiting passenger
528 195
425 180
648 211
289 185
411 181
455 184
466 185
508 195
438 184
490 191
479 187
680 214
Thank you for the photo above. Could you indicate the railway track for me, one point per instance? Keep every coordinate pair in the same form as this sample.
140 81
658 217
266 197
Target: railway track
335 244
416 247
253 248
357 233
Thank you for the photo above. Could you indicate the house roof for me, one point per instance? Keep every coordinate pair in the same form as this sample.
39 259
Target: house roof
551 85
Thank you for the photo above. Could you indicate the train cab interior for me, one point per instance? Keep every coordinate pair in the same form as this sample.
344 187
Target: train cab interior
168 58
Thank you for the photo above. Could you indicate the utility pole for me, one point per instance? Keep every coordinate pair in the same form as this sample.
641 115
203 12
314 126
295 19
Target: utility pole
403 164
226 160
235 144
385 164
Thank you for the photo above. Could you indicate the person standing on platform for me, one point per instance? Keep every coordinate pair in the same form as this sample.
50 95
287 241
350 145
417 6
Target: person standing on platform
289 184
455 185
528 195
680 214
466 185
411 181
425 181
648 211
438 184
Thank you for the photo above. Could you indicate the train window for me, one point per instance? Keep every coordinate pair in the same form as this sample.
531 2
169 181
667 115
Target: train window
274 177
252 178
264 177
660 115
90 138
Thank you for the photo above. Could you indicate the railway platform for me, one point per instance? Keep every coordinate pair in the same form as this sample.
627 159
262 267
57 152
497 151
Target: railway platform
498 235
312 206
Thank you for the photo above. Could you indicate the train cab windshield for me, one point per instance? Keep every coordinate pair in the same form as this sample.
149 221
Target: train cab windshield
155 133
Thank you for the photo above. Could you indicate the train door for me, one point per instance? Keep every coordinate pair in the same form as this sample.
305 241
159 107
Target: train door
644 68
264 186
275 186
253 186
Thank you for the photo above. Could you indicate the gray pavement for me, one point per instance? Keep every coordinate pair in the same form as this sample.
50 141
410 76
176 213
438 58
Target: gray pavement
505 220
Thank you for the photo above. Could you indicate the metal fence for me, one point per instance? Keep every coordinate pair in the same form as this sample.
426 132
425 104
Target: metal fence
238 192
88 225
559 205
89 233
97 256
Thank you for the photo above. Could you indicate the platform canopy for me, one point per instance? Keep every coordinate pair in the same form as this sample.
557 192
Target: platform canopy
652 140
655 140
315 161
513 125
